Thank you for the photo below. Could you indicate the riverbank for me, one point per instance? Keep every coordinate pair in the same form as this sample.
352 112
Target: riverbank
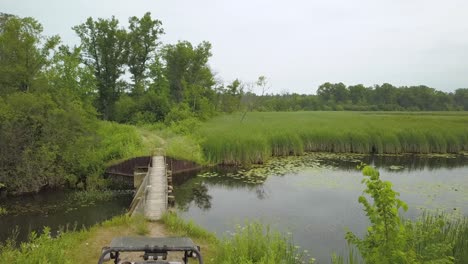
85 246
82 246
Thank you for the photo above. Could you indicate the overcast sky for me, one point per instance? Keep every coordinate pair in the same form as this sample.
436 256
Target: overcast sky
297 44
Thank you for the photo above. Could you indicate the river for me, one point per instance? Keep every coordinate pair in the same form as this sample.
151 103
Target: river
314 197
67 210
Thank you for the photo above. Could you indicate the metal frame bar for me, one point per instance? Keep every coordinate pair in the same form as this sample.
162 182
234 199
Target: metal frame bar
149 249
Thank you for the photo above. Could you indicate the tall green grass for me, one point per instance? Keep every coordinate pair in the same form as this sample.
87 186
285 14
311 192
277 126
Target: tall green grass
253 243
178 226
43 248
250 243
227 140
438 234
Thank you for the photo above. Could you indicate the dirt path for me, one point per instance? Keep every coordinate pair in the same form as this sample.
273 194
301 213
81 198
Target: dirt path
90 250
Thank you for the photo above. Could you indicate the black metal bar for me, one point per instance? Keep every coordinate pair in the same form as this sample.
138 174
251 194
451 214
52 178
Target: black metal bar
149 248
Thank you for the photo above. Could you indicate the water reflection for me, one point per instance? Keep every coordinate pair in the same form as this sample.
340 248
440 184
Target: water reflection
408 162
190 189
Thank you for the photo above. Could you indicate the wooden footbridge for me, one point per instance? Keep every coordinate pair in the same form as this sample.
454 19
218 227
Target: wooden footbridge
151 176
151 198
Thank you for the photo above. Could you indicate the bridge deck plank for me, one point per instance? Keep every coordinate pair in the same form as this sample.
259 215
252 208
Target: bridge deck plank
156 195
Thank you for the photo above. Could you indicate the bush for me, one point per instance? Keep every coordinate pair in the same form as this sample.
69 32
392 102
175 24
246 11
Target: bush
391 239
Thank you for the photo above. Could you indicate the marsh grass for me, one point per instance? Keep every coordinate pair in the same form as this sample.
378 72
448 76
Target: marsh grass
437 234
226 140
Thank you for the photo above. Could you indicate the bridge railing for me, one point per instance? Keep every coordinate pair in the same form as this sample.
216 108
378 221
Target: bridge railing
139 201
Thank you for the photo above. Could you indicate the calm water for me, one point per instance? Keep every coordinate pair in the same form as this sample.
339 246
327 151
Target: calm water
315 197
56 210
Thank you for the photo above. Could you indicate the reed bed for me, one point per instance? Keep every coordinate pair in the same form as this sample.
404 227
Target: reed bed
228 140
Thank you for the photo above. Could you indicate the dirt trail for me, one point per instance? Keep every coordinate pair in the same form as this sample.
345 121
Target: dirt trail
90 250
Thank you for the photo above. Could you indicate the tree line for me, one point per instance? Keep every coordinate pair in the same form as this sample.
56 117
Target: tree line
385 97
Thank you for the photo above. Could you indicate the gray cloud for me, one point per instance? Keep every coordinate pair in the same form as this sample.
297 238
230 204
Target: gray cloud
297 44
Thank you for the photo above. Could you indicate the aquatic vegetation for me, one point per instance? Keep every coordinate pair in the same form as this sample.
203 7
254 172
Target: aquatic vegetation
262 135
90 197
278 166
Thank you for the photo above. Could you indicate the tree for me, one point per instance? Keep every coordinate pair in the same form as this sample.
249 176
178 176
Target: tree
143 40
104 45
189 77
461 98
358 94
250 98
69 77
24 52
229 96
385 94
335 93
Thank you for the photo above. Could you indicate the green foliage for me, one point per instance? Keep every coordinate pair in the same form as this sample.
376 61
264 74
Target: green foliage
433 238
141 225
385 241
3 211
23 53
118 142
439 237
45 144
142 40
104 46
42 248
226 140
189 77
42 143
68 78
253 243
385 97
90 196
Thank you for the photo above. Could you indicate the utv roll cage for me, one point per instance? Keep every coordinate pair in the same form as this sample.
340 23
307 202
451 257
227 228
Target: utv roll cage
155 249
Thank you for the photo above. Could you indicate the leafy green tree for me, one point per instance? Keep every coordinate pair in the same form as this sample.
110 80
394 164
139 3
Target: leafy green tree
336 92
104 45
385 94
69 78
385 238
143 40
230 96
24 52
189 77
461 98
358 94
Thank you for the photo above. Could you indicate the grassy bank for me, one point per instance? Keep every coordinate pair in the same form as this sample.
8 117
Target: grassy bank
227 140
250 244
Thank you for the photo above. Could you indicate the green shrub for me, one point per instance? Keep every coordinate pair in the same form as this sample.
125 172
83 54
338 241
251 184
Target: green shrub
433 238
